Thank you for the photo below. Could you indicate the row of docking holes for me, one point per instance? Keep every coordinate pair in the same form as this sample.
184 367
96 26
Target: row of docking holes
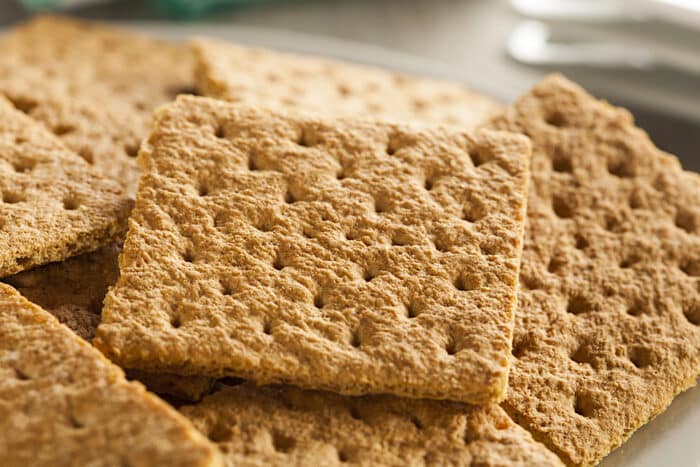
70 203
462 283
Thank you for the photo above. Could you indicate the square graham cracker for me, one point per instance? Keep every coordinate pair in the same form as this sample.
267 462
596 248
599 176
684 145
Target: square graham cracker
343 255
260 77
52 204
608 324
93 85
73 291
284 426
63 403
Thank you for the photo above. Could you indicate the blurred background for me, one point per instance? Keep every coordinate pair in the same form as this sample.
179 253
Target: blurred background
642 54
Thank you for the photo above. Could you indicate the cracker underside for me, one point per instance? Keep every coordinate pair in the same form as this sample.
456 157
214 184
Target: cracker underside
350 256
52 204
284 425
65 404
93 85
260 77
73 291
608 324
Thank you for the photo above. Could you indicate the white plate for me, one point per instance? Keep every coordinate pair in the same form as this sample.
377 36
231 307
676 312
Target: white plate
673 438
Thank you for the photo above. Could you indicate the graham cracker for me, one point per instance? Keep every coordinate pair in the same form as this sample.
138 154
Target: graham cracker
287 426
93 85
73 291
63 403
260 77
352 256
608 325
52 204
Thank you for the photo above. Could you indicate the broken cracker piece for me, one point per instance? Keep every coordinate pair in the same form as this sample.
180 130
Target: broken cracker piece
52 204
63 403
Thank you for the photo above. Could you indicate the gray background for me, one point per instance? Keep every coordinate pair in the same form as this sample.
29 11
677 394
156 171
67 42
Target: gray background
466 35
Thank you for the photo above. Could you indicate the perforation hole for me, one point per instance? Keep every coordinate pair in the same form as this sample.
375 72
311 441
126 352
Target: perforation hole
610 223
555 265
282 443
381 206
24 166
252 164
188 256
319 302
620 169
556 119
369 274
521 347
629 261
267 328
70 203
412 310
480 155
692 314
355 340
63 129
278 264
203 189
21 375
579 304
289 197
12 198
75 423
226 288
341 174
472 213
343 456
417 423
450 347
303 140
428 184
220 131
87 155
686 221
175 322
562 208
640 357
561 163
466 282
219 433
582 355
584 405
131 150
637 308
391 147
636 201
580 242
355 413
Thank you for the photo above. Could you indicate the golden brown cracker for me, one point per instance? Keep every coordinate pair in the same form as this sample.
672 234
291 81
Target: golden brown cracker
284 426
93 85
63 403
607 331
335 254
260 77
52 204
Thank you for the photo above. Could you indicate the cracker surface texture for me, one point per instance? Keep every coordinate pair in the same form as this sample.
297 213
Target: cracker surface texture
260 77
52 204
281 426
63 403
344 255
73 291
608 323
93 85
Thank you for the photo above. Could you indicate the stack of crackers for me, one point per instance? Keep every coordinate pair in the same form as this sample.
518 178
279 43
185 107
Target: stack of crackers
318 263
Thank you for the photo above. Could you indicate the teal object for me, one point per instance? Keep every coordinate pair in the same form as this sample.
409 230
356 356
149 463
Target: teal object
179 8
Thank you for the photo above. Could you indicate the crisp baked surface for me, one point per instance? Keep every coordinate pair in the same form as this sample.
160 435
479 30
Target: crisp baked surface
73 291
281 426
63 403
93 85
311 84
52 204
608 324
333 254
